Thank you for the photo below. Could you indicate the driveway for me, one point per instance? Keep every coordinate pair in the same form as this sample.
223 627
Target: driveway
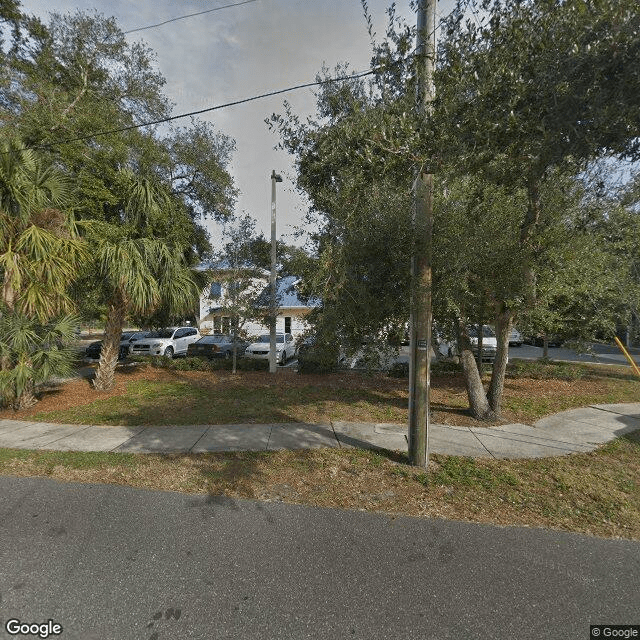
115 563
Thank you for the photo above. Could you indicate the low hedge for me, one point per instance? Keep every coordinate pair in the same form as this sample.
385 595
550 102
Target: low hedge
202 364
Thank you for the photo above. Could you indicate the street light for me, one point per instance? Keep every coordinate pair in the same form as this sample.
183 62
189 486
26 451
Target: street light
272 277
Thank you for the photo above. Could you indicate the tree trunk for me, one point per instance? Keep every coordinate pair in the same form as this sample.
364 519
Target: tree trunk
478 402
545 347
27 398
116 313
527 234
480 346
496 386
235 347
8 298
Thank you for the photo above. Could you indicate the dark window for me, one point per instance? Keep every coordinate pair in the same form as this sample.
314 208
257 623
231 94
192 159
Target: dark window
287 324
216 291
180 333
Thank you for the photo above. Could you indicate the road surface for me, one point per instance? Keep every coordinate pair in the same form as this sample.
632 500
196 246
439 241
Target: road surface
115 563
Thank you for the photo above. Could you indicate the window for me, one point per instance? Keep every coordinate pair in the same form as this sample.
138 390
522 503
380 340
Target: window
287 324
216 291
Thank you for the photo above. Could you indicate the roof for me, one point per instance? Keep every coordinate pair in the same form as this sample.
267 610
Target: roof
225 265
287 295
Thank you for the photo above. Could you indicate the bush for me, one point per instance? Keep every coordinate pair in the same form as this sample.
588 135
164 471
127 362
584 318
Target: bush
438 368
399 370
546 370
311 365
200 364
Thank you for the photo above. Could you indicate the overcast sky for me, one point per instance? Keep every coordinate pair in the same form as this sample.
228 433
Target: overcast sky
239 52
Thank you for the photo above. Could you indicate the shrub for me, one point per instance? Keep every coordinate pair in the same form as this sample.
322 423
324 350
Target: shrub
546 370
438 368
200 364
399 370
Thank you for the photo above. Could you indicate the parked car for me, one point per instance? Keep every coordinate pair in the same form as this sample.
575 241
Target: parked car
126 340
553 340
515 338
166 342
216 346
489 344
285 347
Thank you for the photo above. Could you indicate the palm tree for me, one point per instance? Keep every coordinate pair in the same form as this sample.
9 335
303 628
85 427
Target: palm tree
40 254
139 273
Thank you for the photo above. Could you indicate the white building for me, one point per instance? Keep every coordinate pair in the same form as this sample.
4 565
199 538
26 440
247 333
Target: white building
215 318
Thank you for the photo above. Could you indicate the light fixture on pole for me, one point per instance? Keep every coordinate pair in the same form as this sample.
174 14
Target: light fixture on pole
272 276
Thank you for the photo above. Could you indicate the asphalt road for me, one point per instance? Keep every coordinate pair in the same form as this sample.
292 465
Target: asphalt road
114 563
602 354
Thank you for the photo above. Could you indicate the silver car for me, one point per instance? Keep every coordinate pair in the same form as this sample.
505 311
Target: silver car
515 338
166 342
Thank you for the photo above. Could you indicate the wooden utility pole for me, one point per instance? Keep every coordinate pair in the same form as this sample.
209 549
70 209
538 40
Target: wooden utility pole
421 307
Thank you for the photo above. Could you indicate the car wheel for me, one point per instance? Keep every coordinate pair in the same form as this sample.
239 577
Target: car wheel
168 352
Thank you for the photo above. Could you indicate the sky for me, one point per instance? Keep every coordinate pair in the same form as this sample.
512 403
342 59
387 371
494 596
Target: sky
239 52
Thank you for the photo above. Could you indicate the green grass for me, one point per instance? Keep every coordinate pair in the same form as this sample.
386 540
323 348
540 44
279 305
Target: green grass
48 460
455 470
164 403
552 370
203 398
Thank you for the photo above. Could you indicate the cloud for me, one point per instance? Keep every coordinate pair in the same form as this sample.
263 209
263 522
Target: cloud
240 52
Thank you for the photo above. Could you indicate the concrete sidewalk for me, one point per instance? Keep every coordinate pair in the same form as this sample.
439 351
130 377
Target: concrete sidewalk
574 431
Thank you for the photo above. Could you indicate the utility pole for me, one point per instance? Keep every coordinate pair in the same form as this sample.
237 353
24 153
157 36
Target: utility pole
421 305
272 276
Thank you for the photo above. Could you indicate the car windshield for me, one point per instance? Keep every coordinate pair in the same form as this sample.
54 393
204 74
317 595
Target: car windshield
163 333
487 332
267 339
217 339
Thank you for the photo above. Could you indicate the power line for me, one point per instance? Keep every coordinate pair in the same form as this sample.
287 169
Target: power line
201 111
220 106
189 15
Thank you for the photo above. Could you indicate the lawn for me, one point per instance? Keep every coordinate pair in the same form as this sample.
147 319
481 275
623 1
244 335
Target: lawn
145 395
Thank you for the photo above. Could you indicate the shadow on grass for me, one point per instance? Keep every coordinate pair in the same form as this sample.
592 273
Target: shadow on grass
633 437
200 399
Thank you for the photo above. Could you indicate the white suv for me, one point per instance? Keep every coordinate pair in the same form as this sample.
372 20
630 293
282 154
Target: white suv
166 342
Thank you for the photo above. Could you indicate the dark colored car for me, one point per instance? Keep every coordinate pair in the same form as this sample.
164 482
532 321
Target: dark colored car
216 346
552 340
126 340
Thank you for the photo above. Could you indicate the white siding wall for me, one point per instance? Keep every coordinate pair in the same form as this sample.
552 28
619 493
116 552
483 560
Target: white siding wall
298 325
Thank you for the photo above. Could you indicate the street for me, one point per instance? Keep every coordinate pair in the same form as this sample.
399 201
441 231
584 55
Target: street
114 563
603 354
